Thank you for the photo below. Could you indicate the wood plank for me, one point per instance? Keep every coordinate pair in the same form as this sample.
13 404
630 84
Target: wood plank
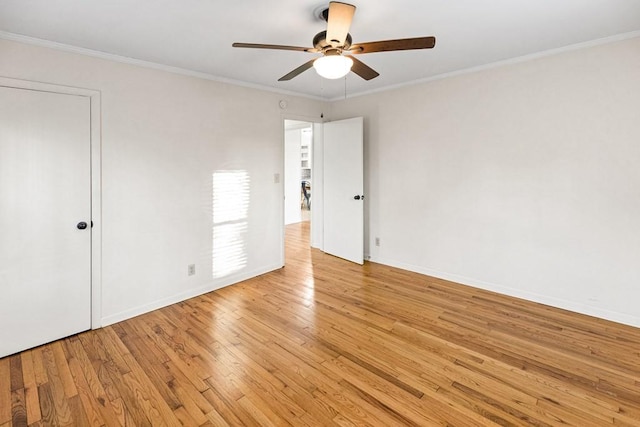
92 400
222 406
5 391
32 403
63 370
259 412
123 415
90 387
18 408
191 401
30 388
78 410
57 400
15 366
131 408
152 396
185 417
47 406
217 419
39 371
153 370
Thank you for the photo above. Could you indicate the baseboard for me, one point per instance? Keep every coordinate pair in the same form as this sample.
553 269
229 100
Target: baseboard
215 285
589 310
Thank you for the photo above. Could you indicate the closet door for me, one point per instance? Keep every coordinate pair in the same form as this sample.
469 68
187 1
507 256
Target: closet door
45 217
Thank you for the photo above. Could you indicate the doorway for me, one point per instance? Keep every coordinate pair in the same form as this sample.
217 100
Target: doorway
336 202
298 171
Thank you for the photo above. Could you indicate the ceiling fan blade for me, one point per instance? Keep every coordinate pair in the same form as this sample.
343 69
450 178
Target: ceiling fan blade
275 46
391 45
301 69
338 22
363 70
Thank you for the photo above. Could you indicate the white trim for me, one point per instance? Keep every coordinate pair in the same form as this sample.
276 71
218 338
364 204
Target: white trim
96 210
511 61
146 64
183 296
96 180
47 87
613 316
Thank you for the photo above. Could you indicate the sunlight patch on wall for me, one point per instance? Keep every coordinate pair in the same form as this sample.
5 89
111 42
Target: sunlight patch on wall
230 213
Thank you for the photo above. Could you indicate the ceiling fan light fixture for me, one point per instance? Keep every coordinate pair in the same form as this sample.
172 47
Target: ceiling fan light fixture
333 66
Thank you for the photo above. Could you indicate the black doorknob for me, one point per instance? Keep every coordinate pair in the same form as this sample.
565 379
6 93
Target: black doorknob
81 225
357 197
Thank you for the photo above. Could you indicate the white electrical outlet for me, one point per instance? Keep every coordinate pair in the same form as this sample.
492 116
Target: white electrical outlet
377 241
276 178
191 270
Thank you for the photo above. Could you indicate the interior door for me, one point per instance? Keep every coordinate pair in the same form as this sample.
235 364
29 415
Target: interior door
343 189
45 195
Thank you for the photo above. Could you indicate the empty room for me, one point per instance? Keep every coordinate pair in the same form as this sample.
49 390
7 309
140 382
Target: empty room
406 213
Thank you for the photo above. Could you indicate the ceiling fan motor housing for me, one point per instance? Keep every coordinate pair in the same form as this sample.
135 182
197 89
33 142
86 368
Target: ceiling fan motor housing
320 42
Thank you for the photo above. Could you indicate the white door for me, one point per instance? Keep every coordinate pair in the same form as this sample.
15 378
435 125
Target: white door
343 189
45 192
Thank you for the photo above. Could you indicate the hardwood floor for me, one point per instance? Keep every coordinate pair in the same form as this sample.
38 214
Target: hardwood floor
324 342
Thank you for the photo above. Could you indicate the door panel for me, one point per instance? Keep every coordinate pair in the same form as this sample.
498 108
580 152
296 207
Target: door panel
343 180
45 190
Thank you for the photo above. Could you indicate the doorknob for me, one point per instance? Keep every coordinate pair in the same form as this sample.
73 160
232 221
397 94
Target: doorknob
81 225
358 197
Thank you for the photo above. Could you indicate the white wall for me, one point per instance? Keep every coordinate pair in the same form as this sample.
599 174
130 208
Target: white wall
292 176
163 137
522 179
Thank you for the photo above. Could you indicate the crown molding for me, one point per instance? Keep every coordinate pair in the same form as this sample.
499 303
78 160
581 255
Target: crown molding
4 35
511 61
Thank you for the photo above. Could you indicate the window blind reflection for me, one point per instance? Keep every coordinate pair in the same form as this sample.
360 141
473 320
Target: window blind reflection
230 213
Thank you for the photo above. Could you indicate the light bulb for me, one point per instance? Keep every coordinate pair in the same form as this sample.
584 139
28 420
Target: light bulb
333 66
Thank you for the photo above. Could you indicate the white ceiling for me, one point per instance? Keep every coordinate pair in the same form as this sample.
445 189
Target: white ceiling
196 35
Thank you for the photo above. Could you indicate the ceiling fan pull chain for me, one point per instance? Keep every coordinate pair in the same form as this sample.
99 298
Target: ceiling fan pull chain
345 87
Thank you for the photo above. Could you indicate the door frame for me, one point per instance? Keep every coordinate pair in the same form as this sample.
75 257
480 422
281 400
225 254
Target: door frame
96 180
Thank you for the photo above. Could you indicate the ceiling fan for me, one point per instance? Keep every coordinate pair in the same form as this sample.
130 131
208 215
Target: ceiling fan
336 41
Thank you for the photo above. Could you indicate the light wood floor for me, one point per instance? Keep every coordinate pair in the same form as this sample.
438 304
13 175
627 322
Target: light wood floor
324 342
